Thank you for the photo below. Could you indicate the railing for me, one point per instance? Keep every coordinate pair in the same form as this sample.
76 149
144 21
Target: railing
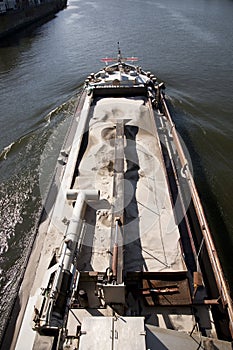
214 260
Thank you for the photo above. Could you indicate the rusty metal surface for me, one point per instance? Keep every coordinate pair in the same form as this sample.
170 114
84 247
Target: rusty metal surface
166 292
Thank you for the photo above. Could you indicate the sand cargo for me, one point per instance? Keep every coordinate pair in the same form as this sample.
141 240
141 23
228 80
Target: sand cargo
123 257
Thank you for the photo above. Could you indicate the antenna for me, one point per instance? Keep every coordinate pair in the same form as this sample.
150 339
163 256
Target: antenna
119 58
119 52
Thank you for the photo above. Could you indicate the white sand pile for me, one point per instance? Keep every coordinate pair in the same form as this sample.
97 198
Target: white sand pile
151 236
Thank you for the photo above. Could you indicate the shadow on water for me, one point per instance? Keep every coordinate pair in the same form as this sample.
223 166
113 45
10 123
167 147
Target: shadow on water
12 46
218 227
28 32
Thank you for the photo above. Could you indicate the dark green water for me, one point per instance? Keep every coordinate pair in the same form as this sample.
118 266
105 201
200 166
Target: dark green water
186 43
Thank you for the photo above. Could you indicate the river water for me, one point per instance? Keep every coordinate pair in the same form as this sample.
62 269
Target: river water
186 43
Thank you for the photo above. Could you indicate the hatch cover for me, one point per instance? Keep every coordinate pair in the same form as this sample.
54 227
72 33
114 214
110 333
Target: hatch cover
112 333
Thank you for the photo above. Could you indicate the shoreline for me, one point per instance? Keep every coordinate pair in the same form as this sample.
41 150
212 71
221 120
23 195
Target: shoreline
15 20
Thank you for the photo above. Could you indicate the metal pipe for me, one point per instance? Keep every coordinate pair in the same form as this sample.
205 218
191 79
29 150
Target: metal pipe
116 230
75 225
73 233
115 252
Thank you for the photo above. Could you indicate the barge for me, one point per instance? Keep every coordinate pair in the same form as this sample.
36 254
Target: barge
123 257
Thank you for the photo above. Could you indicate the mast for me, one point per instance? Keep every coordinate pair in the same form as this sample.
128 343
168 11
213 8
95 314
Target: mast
119 56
